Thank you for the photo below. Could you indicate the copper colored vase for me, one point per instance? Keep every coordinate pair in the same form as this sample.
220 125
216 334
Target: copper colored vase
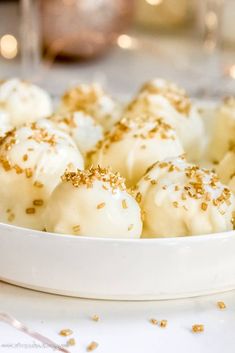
83 28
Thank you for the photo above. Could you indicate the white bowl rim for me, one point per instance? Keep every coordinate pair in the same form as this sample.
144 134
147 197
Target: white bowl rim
161 241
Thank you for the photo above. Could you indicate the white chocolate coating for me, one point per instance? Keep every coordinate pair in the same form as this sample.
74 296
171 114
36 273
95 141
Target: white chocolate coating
136 143
32 160
223 133
5 124
226 169
180 199
92 100
24 102
83 129
160 97
93 203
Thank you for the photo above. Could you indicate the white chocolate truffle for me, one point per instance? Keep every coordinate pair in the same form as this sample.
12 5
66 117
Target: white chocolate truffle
24 102
92 100
136 143
93 203
32 160
226 169
5 124
160 97
180 199
223 133
84 130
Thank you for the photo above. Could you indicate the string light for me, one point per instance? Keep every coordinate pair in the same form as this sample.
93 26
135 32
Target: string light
126 42
154 2
8 46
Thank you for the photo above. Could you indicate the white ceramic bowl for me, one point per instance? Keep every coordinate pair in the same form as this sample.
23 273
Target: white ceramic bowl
141 269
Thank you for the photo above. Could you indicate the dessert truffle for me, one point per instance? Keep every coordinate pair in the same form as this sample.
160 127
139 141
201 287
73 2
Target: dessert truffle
135 143
84 130
32 160
92 100
180 199
24 102
160 97
223 132
93 202
226 169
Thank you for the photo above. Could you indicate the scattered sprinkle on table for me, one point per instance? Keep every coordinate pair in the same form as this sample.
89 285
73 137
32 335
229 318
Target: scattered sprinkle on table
197 328
96 318
71 342
92 346
221 305
66 332
153 321
163 323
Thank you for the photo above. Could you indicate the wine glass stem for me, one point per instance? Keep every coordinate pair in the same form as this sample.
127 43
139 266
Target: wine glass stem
30 38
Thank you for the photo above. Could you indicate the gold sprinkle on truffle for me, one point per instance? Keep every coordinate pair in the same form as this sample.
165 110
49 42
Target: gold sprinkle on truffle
77 228
30 210
131 226
138 197
100 205
38 202
89 176
124 204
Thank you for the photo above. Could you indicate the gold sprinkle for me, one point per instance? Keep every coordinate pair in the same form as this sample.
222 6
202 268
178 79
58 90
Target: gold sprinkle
92 346
38 202
221 305
30 210
124 204
37 184
153 321
138 197
175 204
28 172
76 228
204 206
130 227
66 332
153 182
96 318
163 323
71 342
25 157
100 205
197 328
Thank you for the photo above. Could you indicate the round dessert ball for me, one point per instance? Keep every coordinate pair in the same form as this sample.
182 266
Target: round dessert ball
92 100
84 130
180 199
136 143
24 102
161 97
226 169
223 132
32 160
93 203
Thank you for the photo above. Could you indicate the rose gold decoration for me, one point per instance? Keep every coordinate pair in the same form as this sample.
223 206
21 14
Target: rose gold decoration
83 28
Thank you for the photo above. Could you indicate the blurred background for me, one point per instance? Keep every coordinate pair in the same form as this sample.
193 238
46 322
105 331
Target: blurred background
120 43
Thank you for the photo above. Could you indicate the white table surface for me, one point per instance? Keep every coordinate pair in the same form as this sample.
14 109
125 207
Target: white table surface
123 327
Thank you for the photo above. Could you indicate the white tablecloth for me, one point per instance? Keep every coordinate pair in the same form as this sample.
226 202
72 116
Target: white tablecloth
124 327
